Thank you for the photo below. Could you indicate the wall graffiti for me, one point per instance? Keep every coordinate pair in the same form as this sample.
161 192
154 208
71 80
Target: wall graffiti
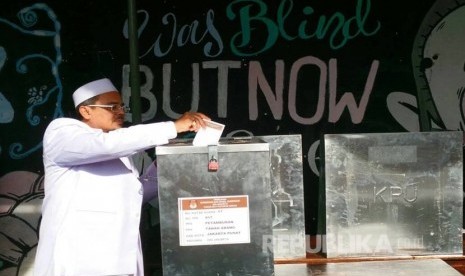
258 82
22 98
37 93
280 67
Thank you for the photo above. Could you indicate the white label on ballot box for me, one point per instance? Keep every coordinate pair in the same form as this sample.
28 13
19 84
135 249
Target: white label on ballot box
214 220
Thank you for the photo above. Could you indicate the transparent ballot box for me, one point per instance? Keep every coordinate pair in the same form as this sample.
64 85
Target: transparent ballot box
394 194
287 196
215 211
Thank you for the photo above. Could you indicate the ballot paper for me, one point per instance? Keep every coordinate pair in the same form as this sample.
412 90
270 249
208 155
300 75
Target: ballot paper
208 135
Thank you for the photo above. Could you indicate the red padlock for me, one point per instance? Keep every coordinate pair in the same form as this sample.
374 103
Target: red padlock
213 165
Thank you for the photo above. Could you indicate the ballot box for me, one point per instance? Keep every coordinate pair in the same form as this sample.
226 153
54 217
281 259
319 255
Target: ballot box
287 196
394 194
215 210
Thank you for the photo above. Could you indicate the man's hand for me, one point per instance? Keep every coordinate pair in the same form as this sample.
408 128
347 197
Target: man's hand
190 121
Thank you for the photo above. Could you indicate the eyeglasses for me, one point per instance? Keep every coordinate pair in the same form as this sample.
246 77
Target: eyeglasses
112 107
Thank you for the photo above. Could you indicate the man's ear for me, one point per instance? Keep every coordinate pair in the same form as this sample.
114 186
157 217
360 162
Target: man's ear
85 112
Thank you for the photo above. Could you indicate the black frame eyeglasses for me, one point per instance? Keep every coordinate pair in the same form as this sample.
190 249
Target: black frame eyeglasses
112 107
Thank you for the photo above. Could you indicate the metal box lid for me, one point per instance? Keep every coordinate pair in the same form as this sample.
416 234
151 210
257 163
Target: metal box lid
236 144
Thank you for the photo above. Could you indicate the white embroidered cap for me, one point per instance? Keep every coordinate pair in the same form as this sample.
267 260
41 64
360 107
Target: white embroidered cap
92 89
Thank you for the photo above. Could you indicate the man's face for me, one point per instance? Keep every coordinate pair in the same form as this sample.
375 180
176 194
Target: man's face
102 117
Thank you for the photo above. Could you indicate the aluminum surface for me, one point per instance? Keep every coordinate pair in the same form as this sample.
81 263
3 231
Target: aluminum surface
182 173
287 195
181 146
394 194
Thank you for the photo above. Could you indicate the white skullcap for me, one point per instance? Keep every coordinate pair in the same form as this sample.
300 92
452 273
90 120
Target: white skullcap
92 89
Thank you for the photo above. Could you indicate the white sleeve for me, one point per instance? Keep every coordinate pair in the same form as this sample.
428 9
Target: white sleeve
70 142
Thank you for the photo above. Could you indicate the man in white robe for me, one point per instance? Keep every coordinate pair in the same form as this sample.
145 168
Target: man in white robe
92 205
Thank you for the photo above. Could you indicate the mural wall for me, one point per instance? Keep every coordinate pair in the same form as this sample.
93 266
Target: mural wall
260 67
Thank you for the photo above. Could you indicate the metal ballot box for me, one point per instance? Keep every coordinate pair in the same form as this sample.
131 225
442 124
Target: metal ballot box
394 194
215 211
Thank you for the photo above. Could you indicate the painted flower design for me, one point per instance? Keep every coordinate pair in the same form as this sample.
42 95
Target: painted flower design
21 196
